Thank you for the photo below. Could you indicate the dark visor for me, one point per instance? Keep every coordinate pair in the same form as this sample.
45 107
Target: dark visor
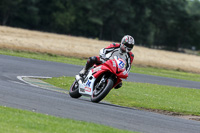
128 45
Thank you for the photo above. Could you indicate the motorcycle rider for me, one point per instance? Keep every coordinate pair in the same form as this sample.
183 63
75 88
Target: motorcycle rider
123 50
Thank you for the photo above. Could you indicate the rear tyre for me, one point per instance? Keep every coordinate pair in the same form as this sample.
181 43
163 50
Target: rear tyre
74 91
100 93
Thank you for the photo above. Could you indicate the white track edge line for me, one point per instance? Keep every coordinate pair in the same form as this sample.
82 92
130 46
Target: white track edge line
21 79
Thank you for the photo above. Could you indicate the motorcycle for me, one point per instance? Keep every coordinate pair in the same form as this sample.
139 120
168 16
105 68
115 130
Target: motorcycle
99 80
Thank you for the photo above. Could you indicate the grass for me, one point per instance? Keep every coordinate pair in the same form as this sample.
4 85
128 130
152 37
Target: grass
152 96
77 61
44 56
167 73
148 96
19 121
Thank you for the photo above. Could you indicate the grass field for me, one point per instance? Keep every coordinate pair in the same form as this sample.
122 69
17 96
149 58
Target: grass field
147 96
34 41
19 121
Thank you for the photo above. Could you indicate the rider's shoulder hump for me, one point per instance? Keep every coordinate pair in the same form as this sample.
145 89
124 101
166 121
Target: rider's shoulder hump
112 45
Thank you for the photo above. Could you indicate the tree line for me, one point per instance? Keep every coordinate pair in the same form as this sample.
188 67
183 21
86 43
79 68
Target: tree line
169 24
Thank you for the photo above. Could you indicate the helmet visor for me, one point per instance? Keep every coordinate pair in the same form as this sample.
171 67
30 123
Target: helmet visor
129 45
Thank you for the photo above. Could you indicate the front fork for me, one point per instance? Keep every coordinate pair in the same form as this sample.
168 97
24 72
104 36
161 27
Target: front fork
102 82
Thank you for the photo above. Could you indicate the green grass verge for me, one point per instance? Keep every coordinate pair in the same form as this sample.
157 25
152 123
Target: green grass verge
77 61
19 121
149 96
44 56
167 73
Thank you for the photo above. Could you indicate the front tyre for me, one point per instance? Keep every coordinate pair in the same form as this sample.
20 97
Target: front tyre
74 91
100 93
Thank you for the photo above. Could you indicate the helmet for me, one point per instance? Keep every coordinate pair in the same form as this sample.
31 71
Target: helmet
127 43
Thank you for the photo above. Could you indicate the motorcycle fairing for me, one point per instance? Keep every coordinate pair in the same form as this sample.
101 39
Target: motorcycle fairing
115 66
86 87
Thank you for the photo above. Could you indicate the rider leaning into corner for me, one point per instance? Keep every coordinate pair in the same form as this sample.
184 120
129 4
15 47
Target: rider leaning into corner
123 50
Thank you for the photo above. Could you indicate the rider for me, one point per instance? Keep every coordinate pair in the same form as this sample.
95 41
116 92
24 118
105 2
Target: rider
123 50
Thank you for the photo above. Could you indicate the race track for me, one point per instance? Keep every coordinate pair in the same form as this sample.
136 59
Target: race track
17 94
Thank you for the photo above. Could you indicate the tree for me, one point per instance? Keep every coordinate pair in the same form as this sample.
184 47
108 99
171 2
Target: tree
193 9
8 8
27 15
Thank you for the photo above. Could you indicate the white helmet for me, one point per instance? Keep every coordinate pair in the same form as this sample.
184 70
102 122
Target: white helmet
127 43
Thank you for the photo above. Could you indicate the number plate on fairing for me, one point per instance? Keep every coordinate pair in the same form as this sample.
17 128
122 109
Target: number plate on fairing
121 63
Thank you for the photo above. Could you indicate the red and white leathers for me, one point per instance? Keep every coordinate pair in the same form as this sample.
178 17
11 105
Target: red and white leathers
115 50
109 53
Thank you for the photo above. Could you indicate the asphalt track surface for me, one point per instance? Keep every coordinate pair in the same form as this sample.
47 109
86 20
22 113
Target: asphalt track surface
17 94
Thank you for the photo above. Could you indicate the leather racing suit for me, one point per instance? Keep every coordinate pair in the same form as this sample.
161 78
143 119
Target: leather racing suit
109 53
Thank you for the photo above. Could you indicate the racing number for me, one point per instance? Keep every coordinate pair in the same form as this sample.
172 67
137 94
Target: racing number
121 64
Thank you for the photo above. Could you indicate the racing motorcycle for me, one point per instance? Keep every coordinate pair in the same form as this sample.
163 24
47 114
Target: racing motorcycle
99 80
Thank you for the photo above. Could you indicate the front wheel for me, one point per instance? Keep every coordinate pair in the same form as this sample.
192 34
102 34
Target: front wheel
100 91
74 91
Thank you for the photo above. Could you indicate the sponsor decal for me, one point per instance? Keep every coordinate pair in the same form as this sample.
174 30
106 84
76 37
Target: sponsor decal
82 89
85 89
96 69
114 64
88 89
88 83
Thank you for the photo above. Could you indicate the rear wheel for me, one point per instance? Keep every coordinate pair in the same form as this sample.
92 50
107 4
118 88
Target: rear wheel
101 90
74 91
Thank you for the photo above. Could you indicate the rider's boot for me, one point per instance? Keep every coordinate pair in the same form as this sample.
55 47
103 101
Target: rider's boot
89 64
82 72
